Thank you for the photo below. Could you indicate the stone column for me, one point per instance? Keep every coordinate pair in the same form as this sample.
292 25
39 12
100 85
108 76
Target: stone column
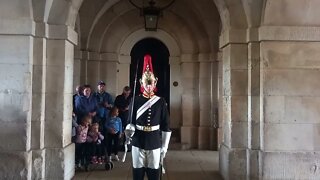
59 159
214 111
205 99
220 99
233 150
77 73
38 102
290 71
175 93
16 75
190 101
255 123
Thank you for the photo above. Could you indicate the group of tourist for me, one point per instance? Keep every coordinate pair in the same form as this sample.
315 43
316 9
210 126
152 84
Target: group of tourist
98 124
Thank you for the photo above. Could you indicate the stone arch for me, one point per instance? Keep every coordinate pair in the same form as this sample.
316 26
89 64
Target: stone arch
232 14
60 12
120 27
200 33
127 45
101 13
161 35
124 51
253 12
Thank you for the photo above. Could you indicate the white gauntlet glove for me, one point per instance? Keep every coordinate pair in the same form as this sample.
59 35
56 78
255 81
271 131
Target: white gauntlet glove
129 132
165 143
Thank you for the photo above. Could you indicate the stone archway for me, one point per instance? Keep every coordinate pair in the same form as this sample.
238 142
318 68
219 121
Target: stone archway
160 62
40 104
174 61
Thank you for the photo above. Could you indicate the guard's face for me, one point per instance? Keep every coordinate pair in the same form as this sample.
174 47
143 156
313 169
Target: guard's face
149 84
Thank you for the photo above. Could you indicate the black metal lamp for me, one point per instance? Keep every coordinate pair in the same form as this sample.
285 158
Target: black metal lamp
151 12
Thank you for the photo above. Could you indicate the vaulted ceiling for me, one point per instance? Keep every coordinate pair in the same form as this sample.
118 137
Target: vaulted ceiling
104 24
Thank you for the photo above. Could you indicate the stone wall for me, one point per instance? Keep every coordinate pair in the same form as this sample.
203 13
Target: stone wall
272 132
290 73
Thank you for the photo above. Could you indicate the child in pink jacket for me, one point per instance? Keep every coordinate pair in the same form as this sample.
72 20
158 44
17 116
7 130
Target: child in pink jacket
94 140
81 139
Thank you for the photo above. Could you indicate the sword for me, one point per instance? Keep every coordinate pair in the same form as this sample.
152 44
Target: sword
163 171
162 166
131 113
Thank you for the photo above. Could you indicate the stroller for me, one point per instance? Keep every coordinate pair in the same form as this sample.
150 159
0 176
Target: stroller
87 163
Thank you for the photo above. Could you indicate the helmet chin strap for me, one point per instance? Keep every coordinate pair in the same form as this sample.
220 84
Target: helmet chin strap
148 95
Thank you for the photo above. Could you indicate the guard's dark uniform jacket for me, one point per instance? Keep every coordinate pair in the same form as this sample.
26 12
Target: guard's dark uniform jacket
156 115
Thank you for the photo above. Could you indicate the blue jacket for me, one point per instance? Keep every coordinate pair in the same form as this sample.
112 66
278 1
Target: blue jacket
114 123
101 98
84 106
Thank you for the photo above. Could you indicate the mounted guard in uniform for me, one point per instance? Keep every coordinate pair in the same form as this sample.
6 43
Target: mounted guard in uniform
148 129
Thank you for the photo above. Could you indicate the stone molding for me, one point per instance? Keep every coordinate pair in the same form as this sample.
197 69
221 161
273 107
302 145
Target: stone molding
174 60
140 34
201 57
232 36
41 29
22 26
124 59
63 32
109 57
269 33
38 29
78 54
88 55
205 57
96 56
189 58
289 33
252 35
219 56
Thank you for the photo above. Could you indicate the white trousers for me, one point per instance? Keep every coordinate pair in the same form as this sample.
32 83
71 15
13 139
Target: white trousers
145 158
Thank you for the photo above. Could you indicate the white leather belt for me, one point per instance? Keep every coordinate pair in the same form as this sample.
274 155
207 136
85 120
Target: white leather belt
148 128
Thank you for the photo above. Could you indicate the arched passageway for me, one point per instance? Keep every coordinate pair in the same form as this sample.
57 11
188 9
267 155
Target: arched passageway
257 65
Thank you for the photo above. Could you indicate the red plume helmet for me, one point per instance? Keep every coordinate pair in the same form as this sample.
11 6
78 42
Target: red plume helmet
147 64
147 71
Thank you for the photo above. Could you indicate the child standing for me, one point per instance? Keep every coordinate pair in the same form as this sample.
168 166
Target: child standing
113 128
81 138
94 140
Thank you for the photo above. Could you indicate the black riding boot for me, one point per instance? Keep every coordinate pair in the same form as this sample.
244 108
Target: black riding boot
153 174
138 173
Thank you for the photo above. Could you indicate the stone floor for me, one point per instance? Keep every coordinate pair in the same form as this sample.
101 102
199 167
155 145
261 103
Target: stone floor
186 165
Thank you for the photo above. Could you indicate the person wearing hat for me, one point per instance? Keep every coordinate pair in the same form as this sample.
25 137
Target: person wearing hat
148 129
104 102
85 104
